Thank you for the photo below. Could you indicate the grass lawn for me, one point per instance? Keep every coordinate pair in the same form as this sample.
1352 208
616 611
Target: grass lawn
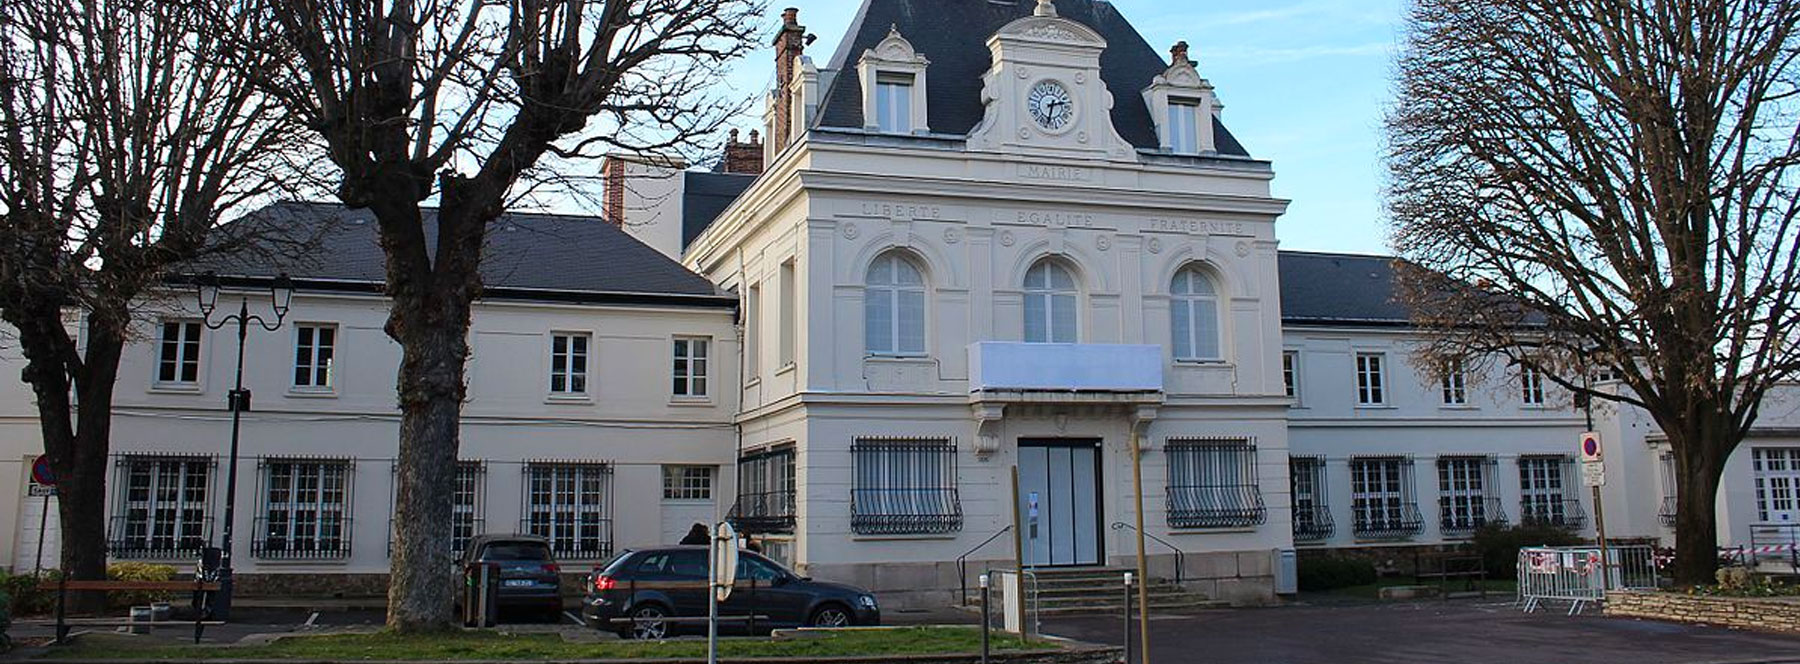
492 646
1373 590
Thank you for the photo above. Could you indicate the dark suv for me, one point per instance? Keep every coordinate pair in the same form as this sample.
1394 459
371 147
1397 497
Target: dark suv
636 592
529 576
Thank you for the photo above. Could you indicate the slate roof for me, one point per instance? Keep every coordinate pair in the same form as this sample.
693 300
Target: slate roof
326 246
953 35
705 197
1339 289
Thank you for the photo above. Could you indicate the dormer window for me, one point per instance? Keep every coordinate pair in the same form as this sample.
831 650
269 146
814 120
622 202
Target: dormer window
893 87
1184 126
893 103
1183 105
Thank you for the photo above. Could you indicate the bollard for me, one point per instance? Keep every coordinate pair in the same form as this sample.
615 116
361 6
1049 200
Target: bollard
986 623
1128 618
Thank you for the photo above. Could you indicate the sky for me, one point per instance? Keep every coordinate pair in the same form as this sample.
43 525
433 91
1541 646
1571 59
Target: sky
1304 83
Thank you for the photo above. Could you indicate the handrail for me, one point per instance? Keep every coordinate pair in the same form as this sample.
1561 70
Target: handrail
1180 558
962 565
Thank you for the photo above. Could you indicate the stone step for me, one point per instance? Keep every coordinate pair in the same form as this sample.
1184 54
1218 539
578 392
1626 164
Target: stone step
1101 607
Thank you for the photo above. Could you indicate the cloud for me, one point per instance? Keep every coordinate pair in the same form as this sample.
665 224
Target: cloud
1268 56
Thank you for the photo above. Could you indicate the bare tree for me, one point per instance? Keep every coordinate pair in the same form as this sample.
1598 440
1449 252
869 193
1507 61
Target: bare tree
124 141
1608 185
476 104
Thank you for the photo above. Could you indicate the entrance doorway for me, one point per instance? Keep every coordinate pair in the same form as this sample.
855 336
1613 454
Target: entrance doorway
1059 500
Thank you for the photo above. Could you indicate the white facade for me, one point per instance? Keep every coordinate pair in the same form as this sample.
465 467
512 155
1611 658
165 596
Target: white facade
602 449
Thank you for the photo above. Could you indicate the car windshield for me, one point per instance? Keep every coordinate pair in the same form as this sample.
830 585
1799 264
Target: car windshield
522 551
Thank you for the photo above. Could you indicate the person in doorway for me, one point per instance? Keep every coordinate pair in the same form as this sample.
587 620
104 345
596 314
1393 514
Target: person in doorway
698 535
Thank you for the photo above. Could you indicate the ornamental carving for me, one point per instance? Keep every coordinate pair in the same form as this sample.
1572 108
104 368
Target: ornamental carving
1007 239
1155 246
1103 243
851 231
952 236
1051 31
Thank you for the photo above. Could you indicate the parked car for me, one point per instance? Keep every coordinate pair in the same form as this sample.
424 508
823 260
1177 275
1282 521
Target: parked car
650 586
530 579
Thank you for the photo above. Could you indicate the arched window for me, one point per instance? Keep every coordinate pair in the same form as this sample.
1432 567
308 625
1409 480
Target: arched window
894 307
1194 315
1050 301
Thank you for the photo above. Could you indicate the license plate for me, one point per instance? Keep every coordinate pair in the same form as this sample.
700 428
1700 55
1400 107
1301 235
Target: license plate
518 583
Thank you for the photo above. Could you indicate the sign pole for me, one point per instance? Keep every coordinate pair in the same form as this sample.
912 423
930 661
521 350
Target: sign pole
37 568
44 476
1593 474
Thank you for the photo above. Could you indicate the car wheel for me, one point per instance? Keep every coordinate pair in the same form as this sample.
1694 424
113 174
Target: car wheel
831 616
648 623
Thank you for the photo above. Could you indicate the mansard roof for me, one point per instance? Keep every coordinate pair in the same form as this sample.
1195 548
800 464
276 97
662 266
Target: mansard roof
540 257
705 196
1339 289
953 34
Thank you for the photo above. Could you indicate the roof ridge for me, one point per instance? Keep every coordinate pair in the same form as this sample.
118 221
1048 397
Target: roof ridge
1341 254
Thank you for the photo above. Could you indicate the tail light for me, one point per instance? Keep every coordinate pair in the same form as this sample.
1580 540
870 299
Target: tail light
553 568
603 582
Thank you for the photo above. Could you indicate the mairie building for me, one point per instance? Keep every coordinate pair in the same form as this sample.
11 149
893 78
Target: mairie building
968 264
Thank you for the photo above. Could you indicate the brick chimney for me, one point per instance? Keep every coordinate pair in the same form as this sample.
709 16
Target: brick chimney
743 157
613 182
790 44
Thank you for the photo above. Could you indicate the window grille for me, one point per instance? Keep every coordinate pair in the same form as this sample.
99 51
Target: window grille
1777 484
1371 379
1312 510
1213 484
1382 498
162 511
1543 492
904 487
467 507
765 500
1467 496
570 504
306 510
688 482
1671 491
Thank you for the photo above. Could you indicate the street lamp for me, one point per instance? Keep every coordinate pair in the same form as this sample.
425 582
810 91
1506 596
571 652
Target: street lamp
281 296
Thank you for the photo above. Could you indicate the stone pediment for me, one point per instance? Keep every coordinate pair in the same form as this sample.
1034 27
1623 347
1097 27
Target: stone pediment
1052 30
895 48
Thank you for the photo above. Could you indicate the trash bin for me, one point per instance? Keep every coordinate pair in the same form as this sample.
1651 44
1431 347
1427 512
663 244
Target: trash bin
481 588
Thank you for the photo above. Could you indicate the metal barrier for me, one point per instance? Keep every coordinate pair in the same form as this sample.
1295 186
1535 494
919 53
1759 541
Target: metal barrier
1772 546
1019 600
1574 575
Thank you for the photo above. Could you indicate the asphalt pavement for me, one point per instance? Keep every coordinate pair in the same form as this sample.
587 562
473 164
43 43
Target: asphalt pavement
1430 632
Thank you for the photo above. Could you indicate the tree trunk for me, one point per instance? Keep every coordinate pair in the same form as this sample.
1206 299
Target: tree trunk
1701 448
421 590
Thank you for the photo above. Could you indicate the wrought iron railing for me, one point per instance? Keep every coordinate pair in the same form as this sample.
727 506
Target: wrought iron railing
1389 522
1462 520
962 564
1313 524
158 539
1566 514
1180 557
905 511
1670 507
769 512
324 538
1216 507
585 537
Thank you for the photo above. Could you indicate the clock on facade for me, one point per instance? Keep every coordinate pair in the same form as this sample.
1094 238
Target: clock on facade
1050 105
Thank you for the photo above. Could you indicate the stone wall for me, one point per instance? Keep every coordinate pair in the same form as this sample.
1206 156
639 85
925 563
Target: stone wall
1779 615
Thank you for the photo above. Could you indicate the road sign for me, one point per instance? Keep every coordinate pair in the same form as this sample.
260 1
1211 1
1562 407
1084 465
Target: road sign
1593 474
724 560
41 472
1591 451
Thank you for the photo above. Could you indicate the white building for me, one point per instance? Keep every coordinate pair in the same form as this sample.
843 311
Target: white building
987 238
593 385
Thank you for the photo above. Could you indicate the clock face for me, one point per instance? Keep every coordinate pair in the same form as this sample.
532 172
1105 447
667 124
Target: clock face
1050 105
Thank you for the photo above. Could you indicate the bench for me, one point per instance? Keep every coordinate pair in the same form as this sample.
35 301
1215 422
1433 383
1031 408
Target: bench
64 586
1472 570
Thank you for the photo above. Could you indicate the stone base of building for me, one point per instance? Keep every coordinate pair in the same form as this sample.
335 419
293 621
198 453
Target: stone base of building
1243 578
1402 560
311 584
1772 614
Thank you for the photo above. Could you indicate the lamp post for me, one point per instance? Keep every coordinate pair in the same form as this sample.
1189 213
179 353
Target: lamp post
281 296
